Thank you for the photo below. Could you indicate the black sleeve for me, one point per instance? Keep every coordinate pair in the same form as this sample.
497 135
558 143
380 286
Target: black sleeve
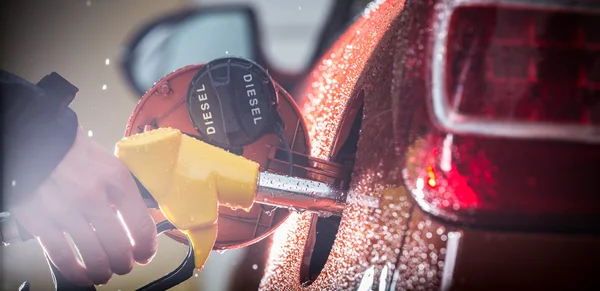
38 130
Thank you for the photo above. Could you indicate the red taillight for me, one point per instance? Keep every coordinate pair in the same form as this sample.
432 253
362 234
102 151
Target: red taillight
513 138
522 64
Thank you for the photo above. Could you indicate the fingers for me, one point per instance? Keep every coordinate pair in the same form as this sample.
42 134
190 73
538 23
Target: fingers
91 250
127 199
113 237
55 244
64 206
39 219
77 199
61 254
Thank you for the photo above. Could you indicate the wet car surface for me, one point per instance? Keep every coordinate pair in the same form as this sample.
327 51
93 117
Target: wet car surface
390 237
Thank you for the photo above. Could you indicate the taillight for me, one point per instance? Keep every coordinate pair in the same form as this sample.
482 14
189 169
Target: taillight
514 135
524 65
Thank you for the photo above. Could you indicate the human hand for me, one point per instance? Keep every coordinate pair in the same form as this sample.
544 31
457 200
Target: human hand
81 198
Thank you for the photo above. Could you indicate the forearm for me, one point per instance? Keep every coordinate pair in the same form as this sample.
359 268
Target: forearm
38 132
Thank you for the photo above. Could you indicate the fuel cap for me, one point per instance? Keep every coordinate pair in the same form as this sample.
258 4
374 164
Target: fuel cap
232 102
164 105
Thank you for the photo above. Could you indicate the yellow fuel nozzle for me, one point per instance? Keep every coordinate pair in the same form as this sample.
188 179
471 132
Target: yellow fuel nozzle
189 179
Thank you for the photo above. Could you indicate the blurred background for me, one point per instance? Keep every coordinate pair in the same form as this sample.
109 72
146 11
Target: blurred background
83 40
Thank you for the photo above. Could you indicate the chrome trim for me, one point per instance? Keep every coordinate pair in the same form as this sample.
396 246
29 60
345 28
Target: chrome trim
452 248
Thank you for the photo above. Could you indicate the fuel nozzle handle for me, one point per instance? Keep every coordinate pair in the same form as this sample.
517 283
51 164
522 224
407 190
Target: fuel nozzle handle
188 179
274 190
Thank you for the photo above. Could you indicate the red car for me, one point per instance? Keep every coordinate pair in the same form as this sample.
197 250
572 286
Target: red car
476 156
471 132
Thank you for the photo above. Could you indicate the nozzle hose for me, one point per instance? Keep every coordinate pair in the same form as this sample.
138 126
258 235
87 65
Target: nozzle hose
299 194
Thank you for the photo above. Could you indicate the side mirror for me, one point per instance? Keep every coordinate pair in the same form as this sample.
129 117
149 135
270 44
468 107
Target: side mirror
190 37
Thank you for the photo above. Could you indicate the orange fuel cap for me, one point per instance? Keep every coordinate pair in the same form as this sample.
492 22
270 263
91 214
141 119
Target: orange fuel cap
167 104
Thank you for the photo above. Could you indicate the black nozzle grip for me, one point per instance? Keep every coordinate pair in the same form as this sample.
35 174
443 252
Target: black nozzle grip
148 199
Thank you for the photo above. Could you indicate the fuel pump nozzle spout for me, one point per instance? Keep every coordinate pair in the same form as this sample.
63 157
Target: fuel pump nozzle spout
299 194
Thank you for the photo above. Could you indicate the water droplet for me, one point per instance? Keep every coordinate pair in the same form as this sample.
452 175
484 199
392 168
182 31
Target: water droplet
104 87
14 183
440 230
255 267
226 52
196 275
90 133
299 8
107 62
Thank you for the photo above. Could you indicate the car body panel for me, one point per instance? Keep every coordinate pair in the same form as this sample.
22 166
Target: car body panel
369 238
441 256
385 241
